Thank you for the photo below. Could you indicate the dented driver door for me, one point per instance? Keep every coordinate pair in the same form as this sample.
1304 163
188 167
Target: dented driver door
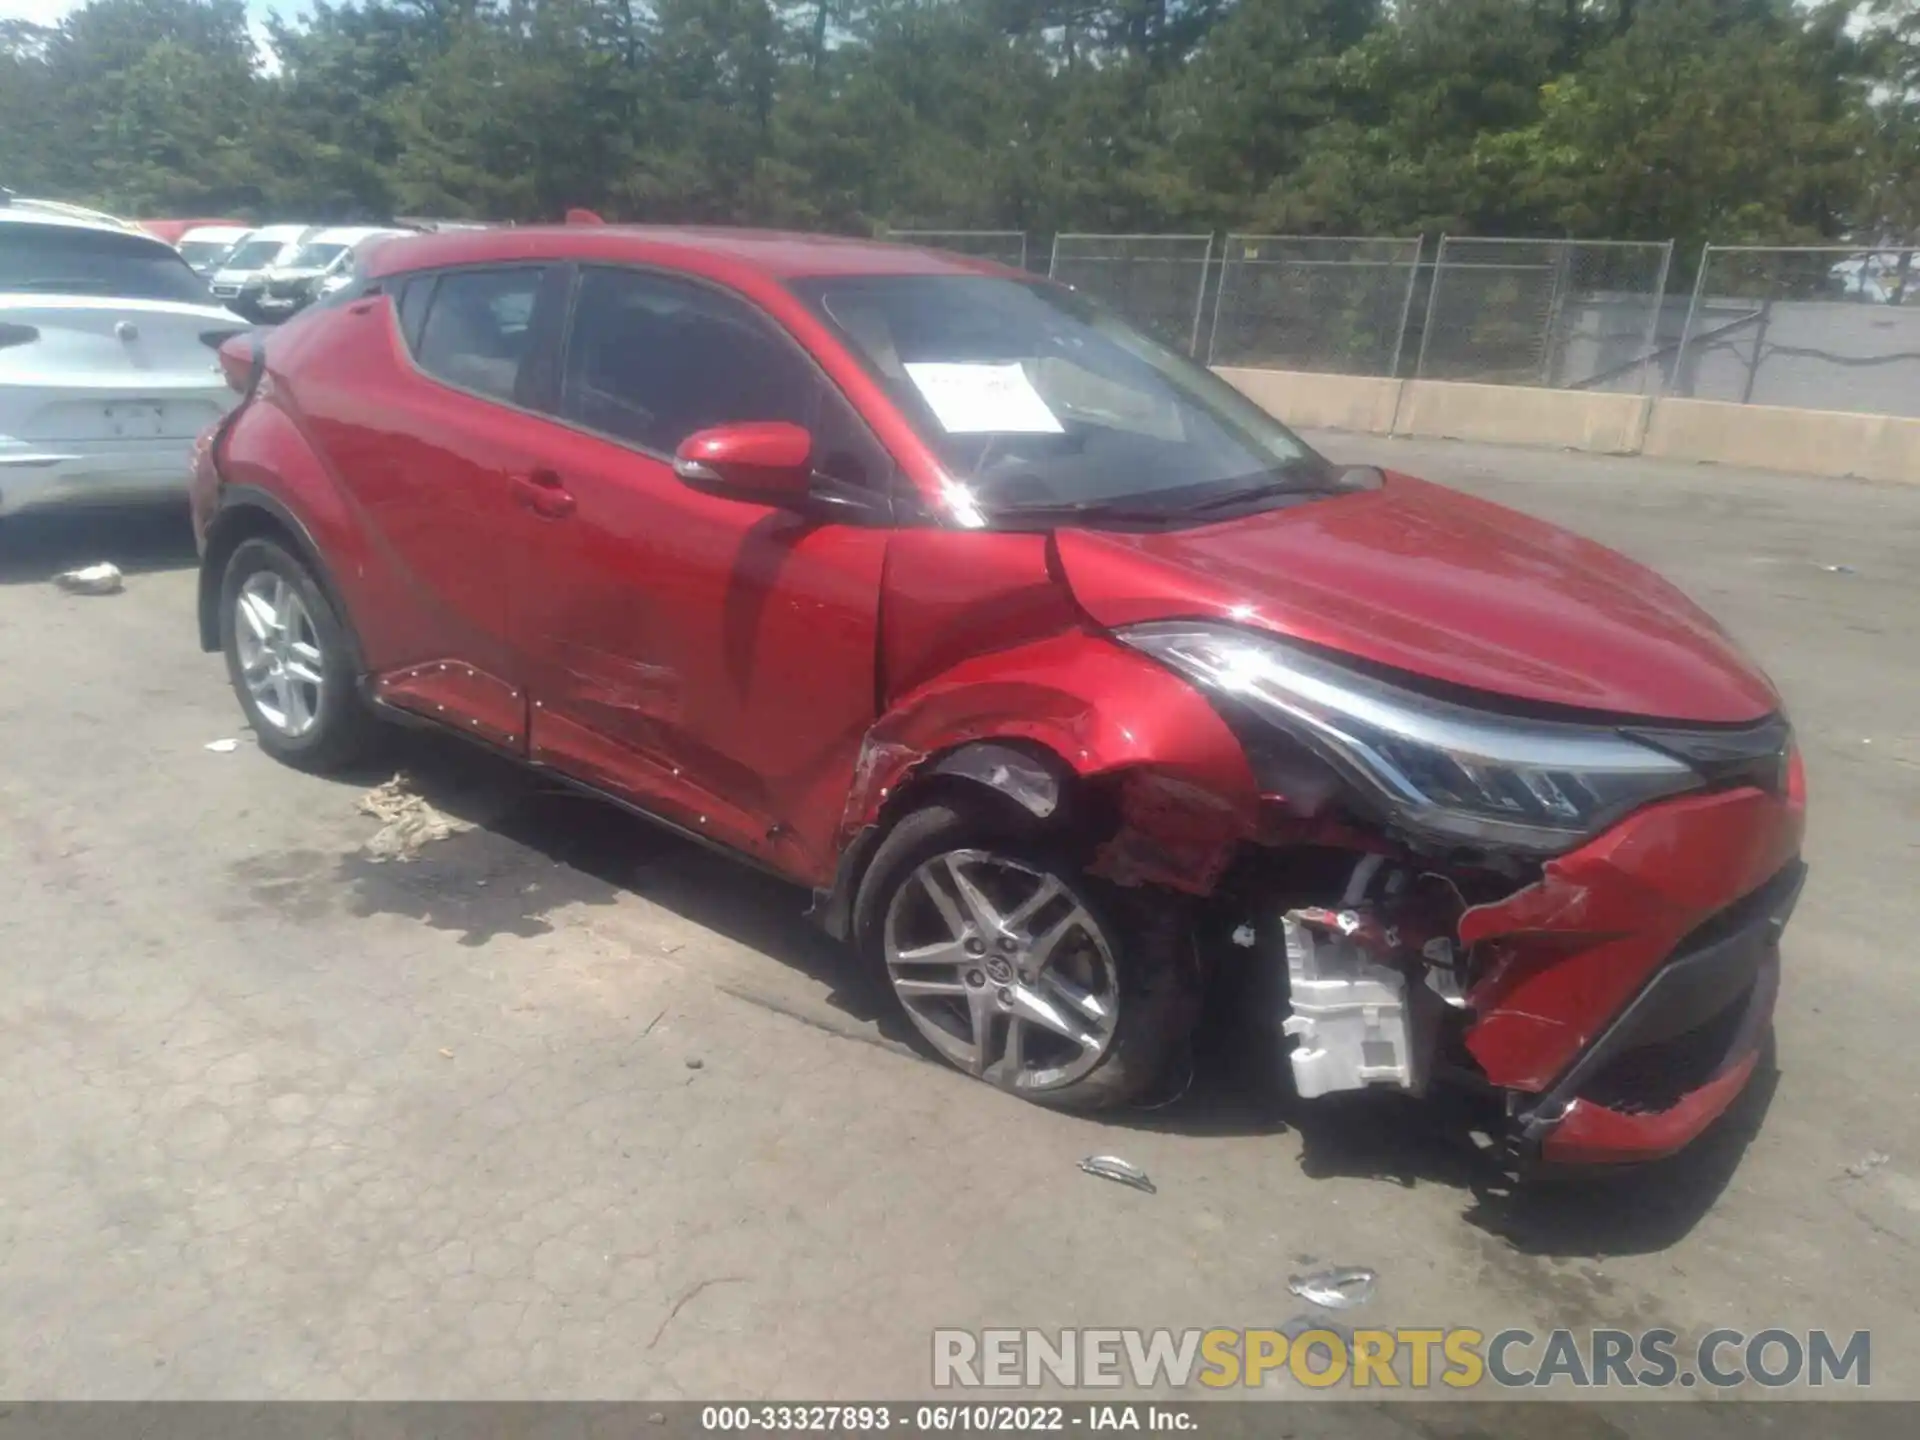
710 659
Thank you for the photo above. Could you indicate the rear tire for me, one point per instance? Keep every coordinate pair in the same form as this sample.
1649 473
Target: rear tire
290 659
1100 1012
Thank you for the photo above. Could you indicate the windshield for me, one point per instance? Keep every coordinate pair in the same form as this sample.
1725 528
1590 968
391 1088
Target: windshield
201 253
254 255
65 260
315 257
1035 399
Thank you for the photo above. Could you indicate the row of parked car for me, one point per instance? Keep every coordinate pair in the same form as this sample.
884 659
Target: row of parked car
270 272
108 330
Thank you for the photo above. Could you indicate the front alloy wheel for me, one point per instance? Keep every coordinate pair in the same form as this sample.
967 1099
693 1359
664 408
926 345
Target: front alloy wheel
1015 965
1003 970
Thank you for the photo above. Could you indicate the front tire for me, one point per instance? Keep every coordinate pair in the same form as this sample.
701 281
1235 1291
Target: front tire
1015 966
290 660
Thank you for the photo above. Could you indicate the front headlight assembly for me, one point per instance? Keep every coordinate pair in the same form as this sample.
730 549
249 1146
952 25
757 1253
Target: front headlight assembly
1440 770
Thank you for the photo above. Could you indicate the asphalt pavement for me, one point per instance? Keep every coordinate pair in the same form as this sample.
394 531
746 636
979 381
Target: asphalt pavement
566 1107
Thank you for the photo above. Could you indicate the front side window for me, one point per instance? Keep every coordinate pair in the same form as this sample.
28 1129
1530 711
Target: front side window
66 260
652 359
478 327
1038 401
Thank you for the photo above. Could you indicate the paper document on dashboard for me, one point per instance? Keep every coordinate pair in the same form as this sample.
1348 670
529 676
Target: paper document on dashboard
984 399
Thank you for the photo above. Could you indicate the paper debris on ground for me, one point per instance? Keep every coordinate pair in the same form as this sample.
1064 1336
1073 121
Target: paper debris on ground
222 747
407 820
101 579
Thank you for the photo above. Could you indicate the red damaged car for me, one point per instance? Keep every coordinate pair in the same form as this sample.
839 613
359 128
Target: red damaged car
1067 678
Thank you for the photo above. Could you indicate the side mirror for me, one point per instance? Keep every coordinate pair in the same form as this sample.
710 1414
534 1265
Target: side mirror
768 461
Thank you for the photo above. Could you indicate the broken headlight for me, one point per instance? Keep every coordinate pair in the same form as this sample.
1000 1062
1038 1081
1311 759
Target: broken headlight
1440 769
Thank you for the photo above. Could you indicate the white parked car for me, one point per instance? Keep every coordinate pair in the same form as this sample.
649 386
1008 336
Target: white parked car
241 275
319 266
108 364
205 246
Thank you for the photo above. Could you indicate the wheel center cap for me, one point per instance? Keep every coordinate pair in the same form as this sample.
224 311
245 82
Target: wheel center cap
999 969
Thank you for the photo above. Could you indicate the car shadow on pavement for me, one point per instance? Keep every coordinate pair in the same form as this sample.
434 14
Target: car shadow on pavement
536 845
37 546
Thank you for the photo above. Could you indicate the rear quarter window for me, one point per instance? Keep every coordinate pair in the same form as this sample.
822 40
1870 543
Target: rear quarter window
65 260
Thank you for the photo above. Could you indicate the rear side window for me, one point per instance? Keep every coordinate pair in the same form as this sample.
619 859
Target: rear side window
414 295
66 260
478 328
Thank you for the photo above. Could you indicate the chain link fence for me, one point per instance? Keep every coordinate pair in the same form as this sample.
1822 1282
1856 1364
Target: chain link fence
1823 328
1294 302
1007 247
1570 314
1158 282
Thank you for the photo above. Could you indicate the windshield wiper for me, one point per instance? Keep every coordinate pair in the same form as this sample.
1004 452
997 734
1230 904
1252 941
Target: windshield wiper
1266 489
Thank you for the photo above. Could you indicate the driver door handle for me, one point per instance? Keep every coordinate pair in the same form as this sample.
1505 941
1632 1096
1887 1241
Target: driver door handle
542 492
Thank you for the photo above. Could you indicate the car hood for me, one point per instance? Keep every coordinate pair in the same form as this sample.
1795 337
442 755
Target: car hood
1430 581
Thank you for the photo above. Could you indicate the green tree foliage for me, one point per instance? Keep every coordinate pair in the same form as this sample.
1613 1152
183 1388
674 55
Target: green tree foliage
1730 119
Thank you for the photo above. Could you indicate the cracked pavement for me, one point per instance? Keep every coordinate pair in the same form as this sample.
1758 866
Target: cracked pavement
282 1122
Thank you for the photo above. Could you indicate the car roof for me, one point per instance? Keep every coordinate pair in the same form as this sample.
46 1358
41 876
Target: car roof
714 251
280 232
19 211
216 232
352 234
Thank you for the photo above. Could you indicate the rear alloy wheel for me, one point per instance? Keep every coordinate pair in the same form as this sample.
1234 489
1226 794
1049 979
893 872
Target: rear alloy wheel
1014 966
290 661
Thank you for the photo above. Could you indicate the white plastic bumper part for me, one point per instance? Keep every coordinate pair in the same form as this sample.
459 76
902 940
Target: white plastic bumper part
1351 1020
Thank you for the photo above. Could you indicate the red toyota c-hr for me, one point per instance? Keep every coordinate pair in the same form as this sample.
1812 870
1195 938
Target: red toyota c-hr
1067 678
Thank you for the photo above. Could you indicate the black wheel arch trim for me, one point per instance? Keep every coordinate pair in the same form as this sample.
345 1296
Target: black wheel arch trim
239 505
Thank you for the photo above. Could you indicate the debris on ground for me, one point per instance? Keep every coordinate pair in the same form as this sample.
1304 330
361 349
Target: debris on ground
1867 1164
102 579
222 747
407 820
694 1062
1338 1289
1112 1167
1839 569
445 1054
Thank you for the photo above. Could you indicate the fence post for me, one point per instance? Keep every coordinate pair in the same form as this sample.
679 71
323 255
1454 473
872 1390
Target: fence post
1220 295
1652 347
1200 301
1693 310
1433 299
1406 307
1023 235
1053 258
1556 302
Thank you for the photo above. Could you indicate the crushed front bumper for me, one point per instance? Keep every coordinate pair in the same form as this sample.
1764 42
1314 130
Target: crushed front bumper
1625 998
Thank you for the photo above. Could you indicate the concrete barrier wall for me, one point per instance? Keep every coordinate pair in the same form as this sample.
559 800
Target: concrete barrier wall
1519 415
1364 403
1773 437
1765 437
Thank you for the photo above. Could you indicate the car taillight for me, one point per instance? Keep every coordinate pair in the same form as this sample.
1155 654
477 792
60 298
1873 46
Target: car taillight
11 335
235 348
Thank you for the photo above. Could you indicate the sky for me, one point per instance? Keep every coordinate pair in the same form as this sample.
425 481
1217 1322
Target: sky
50 12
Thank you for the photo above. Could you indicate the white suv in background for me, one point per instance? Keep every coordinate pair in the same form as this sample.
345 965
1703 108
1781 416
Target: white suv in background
242 273
206 247
108 363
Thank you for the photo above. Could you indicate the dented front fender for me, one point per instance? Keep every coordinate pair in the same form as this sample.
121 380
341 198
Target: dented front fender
1185 796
